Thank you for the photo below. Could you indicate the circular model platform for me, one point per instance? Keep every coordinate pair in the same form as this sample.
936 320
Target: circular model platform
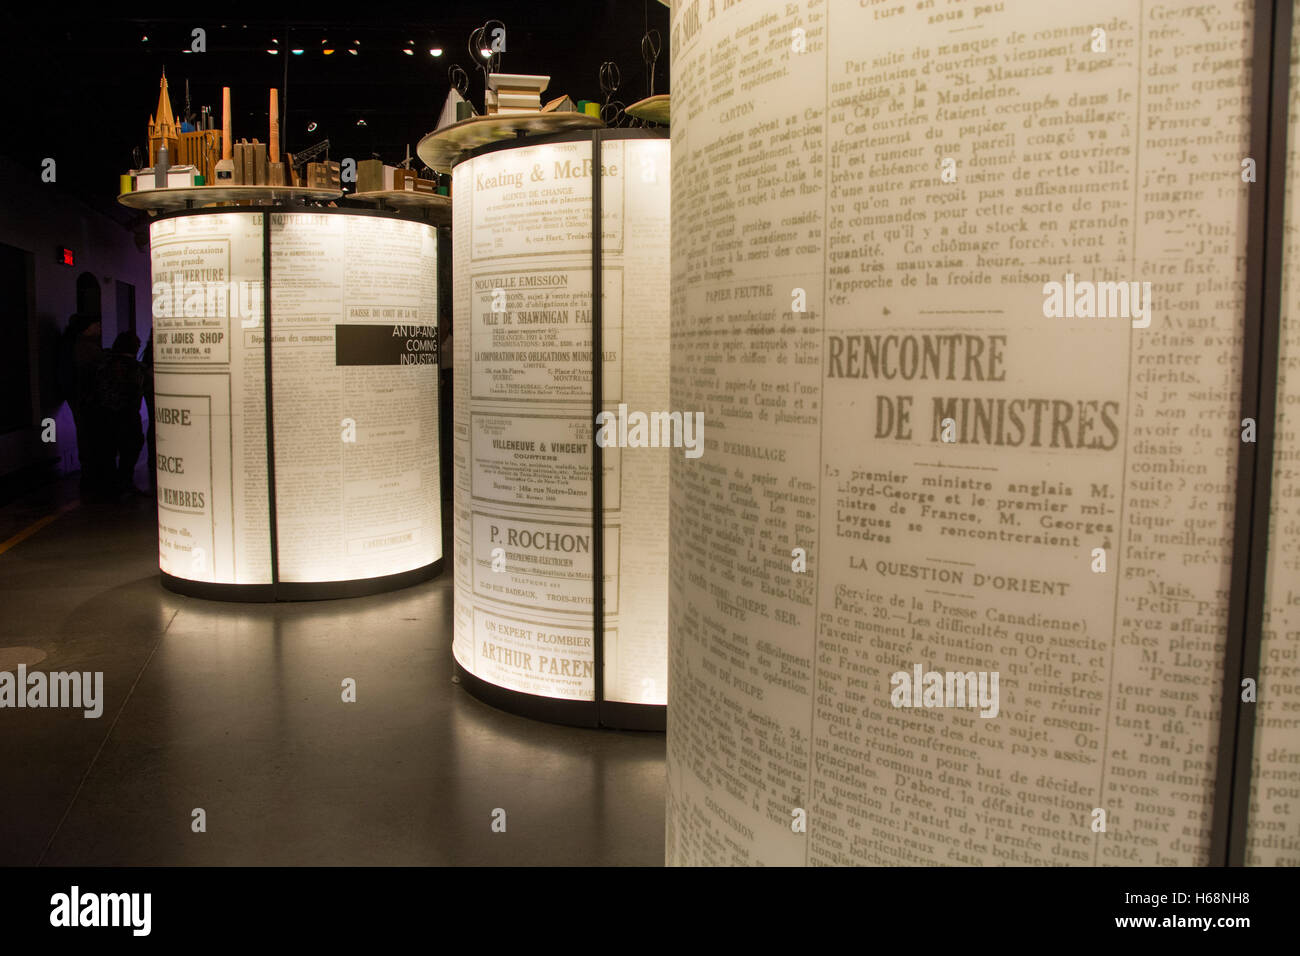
441 148
432 206
652 109
193 197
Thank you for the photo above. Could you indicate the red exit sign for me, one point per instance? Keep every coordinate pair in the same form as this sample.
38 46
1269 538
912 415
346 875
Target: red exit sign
64 256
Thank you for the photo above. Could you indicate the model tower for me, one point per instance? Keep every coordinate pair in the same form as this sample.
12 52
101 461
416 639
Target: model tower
164 130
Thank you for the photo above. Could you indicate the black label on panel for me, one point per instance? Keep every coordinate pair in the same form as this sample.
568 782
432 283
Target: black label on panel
385 345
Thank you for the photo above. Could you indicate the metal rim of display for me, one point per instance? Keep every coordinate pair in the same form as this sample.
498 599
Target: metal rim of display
434 209
301 590
598 712
275 589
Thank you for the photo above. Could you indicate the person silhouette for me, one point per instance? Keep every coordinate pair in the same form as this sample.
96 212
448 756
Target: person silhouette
121 389
151 434
81 357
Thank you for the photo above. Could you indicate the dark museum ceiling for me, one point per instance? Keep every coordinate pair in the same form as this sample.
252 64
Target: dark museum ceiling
81 87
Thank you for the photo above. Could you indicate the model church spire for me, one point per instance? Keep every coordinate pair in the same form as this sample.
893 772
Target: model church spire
164 130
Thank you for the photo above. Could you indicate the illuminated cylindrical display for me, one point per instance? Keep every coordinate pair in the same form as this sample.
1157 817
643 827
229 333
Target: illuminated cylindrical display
529 530
959 547
309 468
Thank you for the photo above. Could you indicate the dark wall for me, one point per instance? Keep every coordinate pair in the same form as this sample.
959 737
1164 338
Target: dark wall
36 219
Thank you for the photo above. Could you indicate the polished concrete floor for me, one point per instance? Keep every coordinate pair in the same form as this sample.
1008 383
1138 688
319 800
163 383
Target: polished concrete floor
236 709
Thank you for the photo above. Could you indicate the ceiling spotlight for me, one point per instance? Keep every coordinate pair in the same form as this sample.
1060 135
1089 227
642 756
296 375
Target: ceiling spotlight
144 39
435 51
272 50
326 48
361 121
296 52
352 50
311 127
408 51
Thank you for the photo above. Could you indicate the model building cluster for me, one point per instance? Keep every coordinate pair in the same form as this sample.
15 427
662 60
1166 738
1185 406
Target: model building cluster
183 154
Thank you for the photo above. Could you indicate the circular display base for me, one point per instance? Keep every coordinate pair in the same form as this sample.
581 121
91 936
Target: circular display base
300 590
611 715
176 198
435 207
653 109
442 148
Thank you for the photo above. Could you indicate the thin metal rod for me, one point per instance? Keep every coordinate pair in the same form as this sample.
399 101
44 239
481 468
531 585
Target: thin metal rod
272 520
1259 378
597 453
